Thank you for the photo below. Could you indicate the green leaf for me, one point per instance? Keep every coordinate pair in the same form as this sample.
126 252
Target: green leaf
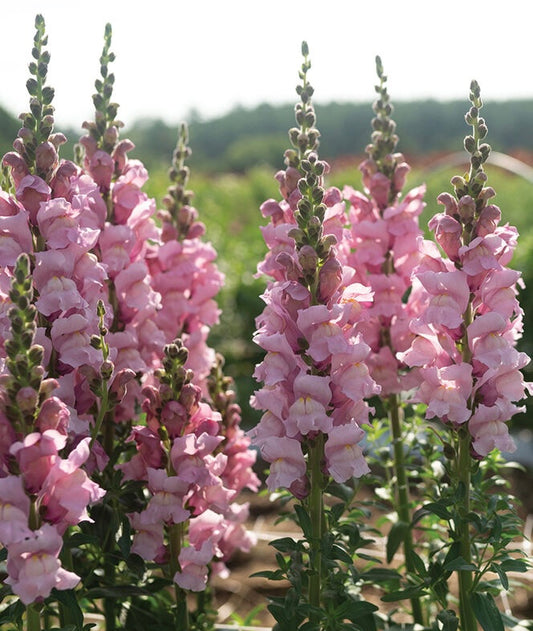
336 512
409 592
72 609
80 539
136 564
125 539
285 544
459 564
13 613
495 567
339 553
514 565
355 609
486 612
304 521
418 564
342 491
116 591
158 583
438 509
450 622
379 575
396 537
276 575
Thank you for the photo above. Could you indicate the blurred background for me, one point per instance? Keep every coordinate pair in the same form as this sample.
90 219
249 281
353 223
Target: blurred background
229 69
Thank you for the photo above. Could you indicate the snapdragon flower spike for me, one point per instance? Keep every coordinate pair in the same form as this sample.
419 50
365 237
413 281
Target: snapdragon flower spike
238 473
383 237
36 146
466 333
24 376
42 492
104 155
56 217
184 271
179 455
314 372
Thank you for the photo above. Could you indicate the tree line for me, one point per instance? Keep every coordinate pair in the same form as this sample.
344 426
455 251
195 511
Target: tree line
253 136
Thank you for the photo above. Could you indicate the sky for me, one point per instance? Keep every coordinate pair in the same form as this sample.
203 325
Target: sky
173 56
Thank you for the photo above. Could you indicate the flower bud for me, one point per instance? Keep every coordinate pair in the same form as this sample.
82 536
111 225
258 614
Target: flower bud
330 277
27 399
470 144
466 209
106 369
308 259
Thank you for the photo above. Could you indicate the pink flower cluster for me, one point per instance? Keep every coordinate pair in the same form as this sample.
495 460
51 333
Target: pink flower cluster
93 238
56 489
314 371
187 279
383 252
193 478
464 345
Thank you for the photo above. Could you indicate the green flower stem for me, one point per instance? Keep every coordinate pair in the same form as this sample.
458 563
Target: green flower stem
463 474
402 489
109 604
109 433
464 461
316 510
104 405
33 617
66 615
175 538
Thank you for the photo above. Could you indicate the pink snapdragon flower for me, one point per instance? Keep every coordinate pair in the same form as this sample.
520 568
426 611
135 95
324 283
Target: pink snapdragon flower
15 233
14 510
287 462
67 491
36 455
469 321
193 563
315 306
31 192
34 568
383 236
343 453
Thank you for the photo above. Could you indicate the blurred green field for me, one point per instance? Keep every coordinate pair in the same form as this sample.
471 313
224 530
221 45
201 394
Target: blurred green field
228 204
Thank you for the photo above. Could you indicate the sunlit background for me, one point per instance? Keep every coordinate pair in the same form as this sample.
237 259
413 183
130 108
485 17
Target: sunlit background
211 55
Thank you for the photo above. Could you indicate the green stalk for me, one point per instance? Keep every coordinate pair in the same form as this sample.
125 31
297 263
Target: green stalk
104 404
464 461
175 538
316 511
463 474
109 604
402 490
66 615
109 543
33 617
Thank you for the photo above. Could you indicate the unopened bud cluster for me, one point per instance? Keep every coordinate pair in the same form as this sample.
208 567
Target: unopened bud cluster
381 150
24 358
104 129
35 142
304 138
173 373
180 219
